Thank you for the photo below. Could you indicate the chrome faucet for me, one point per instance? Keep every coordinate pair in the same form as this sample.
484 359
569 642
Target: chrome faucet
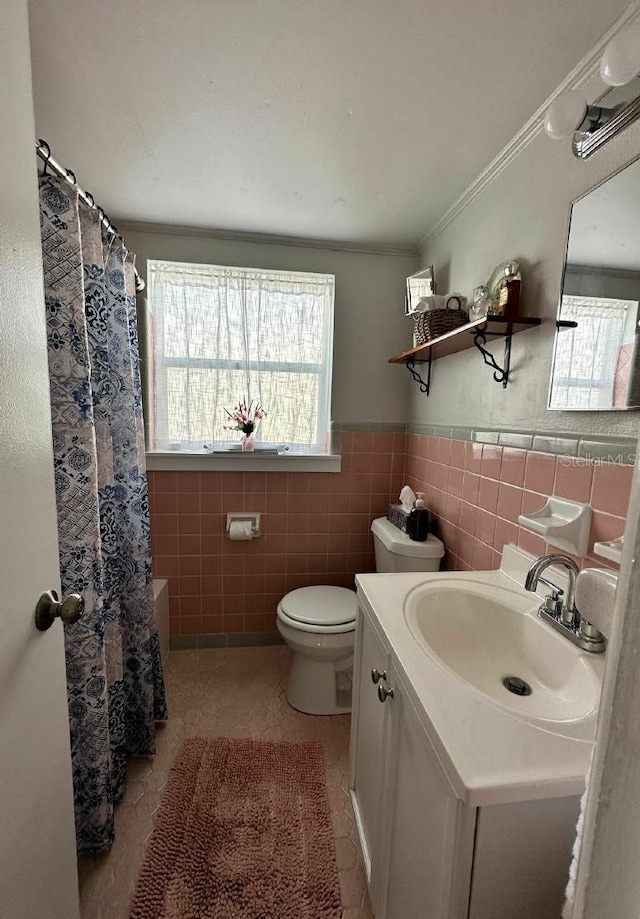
566 609
561 613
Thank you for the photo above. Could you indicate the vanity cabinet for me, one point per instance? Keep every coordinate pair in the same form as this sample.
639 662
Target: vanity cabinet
427 854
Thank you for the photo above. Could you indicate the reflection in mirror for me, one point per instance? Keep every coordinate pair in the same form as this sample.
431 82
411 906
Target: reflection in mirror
596 364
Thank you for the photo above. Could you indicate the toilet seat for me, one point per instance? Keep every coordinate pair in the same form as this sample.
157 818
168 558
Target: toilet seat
323 608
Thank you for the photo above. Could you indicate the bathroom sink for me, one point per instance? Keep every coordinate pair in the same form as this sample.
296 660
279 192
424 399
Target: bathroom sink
489 636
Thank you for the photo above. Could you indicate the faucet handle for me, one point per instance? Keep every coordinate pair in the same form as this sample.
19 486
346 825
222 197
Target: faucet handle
552 603
589 631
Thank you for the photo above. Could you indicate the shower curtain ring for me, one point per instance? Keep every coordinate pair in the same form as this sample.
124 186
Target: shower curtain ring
91 201
71 176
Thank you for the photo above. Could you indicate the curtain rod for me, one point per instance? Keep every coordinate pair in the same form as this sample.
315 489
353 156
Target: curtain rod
44 152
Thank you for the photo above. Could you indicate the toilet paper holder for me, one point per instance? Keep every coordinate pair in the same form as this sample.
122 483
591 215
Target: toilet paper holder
238 516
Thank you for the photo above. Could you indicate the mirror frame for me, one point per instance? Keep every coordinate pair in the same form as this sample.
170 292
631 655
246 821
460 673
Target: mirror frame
426 273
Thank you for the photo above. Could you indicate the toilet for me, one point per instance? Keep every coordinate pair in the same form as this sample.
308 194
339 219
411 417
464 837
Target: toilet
318 623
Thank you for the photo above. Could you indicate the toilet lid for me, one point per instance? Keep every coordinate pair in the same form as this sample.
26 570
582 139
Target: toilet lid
321 605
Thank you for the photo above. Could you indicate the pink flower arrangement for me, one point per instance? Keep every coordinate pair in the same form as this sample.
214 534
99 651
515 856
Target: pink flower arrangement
246 418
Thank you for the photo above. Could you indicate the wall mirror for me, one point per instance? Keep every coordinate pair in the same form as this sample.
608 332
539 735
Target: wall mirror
419 286
596 362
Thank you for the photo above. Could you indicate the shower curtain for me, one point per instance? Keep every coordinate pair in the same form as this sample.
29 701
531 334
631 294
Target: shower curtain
114 670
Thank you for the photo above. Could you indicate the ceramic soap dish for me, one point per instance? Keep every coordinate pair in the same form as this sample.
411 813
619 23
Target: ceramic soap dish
611 550
563 524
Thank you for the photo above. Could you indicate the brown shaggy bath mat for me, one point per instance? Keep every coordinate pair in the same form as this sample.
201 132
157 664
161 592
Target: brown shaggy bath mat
243 832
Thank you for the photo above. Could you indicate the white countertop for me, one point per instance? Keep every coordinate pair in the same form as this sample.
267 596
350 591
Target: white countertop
490 755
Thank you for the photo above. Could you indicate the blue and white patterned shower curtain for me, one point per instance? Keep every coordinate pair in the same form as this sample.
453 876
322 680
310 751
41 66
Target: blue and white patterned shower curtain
114 669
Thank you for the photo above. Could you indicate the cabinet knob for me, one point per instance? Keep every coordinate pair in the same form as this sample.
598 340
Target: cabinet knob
384 693
377 675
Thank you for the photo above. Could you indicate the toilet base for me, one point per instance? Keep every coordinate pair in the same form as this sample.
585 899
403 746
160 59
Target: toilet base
320 687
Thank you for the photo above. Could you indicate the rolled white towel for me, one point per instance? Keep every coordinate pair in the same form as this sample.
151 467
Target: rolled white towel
570 892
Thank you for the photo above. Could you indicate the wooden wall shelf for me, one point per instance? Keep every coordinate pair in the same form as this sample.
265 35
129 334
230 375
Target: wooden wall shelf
458 340
473 334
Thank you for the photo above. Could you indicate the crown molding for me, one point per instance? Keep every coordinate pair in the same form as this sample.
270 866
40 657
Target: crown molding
134 226
578 77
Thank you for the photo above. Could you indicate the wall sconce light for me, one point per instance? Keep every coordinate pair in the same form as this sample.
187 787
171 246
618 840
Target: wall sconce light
591 126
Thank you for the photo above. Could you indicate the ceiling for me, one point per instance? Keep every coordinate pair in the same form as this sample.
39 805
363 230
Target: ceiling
352 120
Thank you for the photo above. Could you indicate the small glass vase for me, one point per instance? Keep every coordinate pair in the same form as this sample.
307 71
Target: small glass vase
248 442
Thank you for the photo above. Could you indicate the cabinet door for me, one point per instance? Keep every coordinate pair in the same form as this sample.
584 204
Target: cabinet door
368 743
427 837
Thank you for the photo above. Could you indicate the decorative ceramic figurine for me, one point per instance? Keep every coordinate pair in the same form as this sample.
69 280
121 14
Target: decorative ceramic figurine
504 290
481 303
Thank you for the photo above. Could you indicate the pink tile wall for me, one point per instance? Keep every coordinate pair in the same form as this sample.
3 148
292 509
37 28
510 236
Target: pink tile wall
477 492
316 526
315 531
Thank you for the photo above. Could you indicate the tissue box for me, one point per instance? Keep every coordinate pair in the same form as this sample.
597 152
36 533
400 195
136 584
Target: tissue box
398 516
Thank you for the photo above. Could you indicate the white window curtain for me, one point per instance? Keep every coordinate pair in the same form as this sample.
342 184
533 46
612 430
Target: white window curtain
220 335
586 357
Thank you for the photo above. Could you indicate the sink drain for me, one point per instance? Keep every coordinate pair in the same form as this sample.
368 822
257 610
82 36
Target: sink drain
517 686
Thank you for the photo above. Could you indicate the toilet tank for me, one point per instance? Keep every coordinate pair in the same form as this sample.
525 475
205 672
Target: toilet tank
396 552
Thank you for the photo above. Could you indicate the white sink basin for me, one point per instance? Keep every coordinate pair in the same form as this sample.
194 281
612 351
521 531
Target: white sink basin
484 634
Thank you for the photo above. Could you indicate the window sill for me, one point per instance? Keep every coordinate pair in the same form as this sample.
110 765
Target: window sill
173 460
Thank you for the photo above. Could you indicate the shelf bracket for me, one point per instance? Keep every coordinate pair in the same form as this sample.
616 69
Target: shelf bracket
424 385
500 374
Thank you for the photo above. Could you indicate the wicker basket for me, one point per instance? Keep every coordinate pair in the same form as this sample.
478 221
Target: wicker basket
430 325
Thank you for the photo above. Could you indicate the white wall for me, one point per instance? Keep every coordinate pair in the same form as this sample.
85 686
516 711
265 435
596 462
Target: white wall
608 882
369 321
523 214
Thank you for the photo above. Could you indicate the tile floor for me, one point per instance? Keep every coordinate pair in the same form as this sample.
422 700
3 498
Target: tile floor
236 692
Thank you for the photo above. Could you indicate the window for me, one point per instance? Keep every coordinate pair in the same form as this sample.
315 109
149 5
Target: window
218 335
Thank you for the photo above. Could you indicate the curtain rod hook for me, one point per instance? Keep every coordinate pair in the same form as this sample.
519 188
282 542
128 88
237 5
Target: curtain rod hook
47 149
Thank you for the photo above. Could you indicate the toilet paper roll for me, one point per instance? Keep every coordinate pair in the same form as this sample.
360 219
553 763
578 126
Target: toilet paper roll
240 529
